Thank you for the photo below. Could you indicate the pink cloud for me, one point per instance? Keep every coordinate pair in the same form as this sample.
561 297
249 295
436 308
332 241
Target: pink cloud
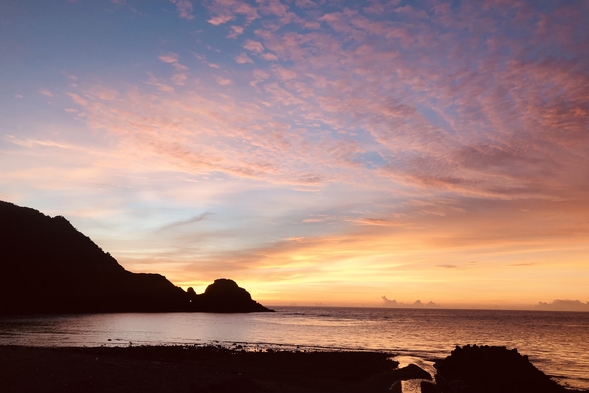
235 31
169 58
152 80
284 73
419 14
448 113
103 93
185 8
179 79
306 4
253 46
220 19
243 58
269 56
77 99
46 92
223 81
273 7
226 10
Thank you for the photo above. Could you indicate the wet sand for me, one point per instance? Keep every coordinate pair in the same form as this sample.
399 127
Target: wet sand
191 369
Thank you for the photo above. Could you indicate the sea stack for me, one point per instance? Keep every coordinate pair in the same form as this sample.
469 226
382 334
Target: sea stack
224 296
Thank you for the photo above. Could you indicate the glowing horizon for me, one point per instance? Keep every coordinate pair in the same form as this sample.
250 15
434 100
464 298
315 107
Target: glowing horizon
311 151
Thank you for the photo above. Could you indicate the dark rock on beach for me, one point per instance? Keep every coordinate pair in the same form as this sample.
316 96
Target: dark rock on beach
47 266
487 369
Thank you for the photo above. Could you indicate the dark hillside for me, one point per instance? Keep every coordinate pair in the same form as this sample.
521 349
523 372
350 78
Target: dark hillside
47 266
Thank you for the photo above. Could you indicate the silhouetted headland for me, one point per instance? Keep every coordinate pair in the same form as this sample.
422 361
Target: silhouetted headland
47 267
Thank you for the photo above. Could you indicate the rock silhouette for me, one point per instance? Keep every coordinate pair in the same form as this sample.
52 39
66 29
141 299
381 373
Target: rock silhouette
486 369
47 266
224 296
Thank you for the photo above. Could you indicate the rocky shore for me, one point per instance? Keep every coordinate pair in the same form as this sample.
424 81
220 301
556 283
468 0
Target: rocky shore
215 369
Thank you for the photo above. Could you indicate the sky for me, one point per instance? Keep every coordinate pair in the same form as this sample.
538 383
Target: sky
316 152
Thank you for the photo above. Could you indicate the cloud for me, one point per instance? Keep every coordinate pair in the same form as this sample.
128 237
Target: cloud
185 223
103 93
31 143
69 76
253 46
435 125
152 80
224 11
223 81
375 221
169 58
269 56
185 8
46 92
306 4
220 19
235 31
77 99
243 58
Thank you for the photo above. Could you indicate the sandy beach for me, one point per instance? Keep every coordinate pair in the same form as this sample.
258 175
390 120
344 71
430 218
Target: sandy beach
190 369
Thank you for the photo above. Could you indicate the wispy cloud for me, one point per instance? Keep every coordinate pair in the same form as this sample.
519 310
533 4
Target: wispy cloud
184 223
46 92
169 57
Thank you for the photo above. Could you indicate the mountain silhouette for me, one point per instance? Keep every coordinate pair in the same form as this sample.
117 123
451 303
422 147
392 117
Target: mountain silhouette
48 266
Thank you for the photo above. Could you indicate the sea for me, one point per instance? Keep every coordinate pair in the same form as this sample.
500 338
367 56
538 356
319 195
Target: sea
556 342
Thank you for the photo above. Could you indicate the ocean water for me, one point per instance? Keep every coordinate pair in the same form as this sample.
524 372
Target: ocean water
556 342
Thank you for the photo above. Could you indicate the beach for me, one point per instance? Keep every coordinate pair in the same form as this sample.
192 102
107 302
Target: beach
191 369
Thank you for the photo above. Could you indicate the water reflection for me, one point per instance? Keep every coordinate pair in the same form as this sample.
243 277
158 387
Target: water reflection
554 341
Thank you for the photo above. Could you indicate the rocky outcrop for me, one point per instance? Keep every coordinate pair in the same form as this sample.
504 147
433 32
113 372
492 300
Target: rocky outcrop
487 369
224 296
48 267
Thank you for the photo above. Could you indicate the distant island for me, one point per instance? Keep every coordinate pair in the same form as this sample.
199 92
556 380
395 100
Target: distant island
386 302
47 267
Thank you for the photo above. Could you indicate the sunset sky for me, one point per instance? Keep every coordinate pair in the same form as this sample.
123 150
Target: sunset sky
316 152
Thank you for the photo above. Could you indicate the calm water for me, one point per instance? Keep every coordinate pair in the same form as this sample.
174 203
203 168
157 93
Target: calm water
556 342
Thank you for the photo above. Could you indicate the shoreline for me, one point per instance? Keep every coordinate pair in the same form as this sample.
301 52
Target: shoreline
199 368
190 369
